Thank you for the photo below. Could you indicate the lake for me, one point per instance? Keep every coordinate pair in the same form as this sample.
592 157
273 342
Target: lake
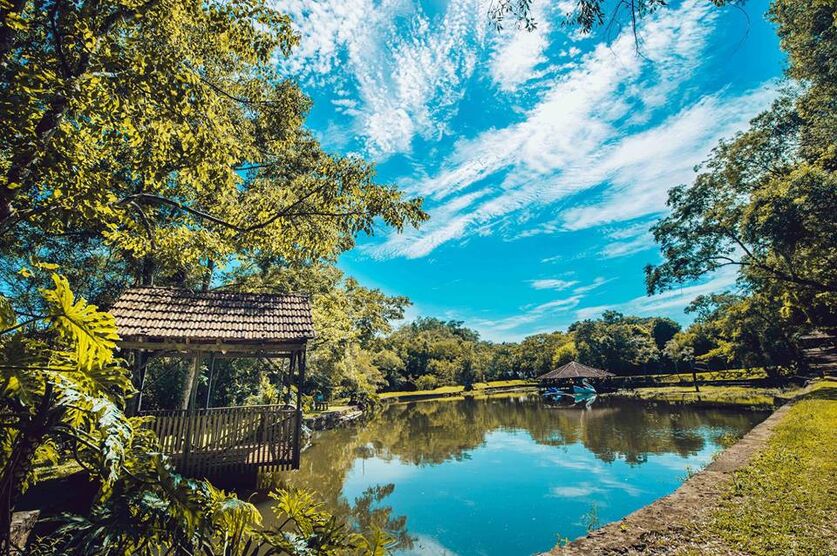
508 475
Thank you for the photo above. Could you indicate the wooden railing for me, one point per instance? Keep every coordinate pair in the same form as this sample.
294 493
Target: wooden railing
231 441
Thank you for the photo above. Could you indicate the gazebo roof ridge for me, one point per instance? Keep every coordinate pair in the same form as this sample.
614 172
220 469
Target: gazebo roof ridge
574 369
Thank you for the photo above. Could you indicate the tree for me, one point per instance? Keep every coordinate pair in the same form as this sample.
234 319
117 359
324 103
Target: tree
746 331
564 354
162 134
678 350
764 201
620 344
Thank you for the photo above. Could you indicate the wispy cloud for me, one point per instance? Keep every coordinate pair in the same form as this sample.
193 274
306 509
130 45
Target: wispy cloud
516 55
670 303
549 313
406 69
552 284
628 240
526 317
590 128
597 283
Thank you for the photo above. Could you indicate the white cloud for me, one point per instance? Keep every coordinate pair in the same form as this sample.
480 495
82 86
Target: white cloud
628 240
552 284
539 312
598 282
642 167
589 129
407 69
517 54
668 303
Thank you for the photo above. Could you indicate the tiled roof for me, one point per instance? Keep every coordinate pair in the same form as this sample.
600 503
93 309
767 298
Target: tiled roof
574 369
168 313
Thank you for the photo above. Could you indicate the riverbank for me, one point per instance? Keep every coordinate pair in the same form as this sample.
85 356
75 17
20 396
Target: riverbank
772 493
478 388
751 397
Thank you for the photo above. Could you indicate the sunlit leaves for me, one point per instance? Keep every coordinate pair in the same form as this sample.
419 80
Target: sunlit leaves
113 105
92 332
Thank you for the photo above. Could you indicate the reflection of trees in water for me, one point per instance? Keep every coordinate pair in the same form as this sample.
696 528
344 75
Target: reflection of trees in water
367 515
423 433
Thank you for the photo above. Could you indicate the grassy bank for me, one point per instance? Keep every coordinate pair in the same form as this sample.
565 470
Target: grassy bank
733 396
445 391
783 501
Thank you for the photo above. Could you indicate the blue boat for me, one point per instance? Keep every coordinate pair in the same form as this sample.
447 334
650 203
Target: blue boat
586 389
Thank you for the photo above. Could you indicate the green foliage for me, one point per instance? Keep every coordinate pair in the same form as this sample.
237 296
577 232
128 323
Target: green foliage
764 203
61 383
618 343
162 138
742 332
305 528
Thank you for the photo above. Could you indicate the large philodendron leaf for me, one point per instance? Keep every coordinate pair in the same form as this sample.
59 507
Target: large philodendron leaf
99 422
90 331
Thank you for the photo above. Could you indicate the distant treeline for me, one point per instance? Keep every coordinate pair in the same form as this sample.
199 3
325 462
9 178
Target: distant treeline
430 352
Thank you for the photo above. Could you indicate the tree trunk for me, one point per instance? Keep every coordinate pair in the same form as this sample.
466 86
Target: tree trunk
19 464
191 382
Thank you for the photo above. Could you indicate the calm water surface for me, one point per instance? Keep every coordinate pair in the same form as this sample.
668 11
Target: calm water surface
508 475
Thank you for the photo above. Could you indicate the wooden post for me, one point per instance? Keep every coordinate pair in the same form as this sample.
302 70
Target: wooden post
189 388
188 403
300 356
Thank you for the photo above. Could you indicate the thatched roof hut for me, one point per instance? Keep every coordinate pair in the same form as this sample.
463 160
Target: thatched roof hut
574 370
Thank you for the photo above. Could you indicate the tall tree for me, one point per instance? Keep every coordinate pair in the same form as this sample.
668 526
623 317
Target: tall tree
765 200
161 133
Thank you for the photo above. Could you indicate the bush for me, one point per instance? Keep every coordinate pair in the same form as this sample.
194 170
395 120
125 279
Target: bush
426 382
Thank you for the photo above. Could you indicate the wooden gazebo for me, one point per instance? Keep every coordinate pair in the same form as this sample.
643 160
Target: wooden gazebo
220 441
571 372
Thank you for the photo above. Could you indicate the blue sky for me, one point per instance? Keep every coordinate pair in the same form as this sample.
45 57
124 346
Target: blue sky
543 157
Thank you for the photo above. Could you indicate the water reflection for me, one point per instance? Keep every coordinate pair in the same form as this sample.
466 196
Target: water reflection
504 475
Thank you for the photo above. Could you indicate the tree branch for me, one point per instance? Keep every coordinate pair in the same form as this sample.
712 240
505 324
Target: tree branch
287 211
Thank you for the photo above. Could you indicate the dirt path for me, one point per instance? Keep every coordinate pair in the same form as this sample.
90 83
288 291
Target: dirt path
662 527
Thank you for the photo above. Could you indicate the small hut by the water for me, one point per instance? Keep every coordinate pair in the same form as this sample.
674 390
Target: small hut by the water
572 372
205 326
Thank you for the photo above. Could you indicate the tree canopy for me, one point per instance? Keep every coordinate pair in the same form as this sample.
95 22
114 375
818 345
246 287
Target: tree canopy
765 200
161 133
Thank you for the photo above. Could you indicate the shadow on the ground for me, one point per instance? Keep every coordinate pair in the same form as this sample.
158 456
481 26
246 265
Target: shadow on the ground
826 393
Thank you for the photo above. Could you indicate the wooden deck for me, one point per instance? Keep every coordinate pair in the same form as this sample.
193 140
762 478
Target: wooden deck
229 441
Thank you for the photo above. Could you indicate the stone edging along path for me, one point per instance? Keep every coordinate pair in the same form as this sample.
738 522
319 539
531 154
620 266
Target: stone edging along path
692 501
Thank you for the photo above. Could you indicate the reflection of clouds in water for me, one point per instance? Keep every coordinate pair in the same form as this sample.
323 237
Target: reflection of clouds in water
679 463
427 546
614 484
579 491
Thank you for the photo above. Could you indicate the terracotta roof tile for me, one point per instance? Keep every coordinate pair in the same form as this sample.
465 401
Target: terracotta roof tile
170 313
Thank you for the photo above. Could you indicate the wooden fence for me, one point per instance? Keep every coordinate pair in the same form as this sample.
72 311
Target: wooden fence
229 442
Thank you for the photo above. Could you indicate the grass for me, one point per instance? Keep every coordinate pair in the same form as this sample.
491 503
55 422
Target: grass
783 501
746 396
728 374
451 390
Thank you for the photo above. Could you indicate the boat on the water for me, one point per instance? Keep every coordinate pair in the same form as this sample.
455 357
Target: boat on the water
570 396
585 389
